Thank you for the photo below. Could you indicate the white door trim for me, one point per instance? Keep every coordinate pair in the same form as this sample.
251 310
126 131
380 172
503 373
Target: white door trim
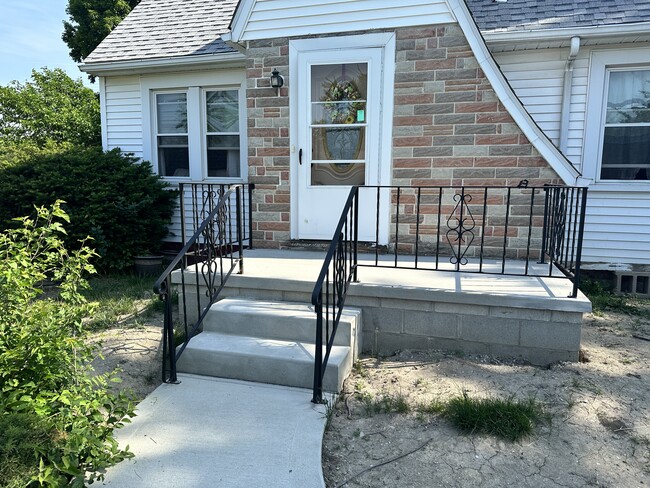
386 41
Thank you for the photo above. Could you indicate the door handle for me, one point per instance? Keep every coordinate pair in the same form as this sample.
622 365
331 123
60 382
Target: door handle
300 156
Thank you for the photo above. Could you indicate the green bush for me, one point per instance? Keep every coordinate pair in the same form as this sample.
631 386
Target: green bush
47 385
110 196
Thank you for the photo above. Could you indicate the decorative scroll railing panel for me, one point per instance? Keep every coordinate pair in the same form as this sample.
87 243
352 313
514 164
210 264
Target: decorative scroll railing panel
206 261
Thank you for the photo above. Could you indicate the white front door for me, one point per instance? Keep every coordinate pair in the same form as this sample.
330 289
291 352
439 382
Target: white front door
339 114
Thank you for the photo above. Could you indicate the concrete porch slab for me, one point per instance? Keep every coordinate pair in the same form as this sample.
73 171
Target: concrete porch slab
291 270
210 432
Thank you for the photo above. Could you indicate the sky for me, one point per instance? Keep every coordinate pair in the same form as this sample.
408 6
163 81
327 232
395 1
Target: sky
30 38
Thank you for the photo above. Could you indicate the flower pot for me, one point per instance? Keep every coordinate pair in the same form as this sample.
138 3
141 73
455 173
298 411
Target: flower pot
148 265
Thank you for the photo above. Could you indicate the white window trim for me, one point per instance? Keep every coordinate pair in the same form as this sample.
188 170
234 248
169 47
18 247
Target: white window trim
601 62
193 83
156 134
243 143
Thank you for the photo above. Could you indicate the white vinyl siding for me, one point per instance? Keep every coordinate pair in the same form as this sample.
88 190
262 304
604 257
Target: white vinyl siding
123 105
537 78
286 18
617 228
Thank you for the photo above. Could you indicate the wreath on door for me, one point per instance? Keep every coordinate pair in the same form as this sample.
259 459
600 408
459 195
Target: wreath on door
341 143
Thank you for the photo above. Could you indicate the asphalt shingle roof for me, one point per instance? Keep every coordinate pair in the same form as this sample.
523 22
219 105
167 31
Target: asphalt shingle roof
515 15
165 28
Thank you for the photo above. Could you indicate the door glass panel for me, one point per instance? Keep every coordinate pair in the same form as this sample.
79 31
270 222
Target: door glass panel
338 174
339 115
338 144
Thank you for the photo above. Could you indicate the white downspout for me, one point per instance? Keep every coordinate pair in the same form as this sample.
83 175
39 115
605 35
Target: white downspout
566 94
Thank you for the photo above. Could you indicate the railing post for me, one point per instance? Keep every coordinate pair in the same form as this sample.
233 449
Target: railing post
169 332
581 231
251 187
355 255
240 240
318 353
542 251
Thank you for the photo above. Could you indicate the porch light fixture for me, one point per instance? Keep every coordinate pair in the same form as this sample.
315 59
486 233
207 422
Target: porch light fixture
276 79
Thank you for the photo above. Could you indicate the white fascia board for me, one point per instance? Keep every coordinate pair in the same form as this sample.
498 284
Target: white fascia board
240 19
173 63
640 28
562 166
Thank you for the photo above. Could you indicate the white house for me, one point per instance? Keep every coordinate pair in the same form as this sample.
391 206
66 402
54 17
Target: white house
450 93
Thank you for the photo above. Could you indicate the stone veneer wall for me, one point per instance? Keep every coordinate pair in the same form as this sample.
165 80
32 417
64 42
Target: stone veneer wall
449 128
268 141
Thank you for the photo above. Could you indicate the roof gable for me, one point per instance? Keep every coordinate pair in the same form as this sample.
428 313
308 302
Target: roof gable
167 28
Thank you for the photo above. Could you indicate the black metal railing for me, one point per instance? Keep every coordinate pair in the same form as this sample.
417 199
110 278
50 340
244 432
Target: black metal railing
514 231
206 261
197 200
338 271
489 230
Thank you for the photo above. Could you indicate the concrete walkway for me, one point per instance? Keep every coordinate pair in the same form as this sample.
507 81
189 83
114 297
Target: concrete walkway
211 432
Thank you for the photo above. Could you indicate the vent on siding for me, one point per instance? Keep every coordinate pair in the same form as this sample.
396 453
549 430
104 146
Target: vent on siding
633 283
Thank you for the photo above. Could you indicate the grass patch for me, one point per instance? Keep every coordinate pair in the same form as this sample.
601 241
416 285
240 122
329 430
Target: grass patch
120 296
603 300
21 437
502 417
384 404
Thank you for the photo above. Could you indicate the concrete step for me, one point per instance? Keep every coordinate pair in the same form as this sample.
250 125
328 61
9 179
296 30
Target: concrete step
278 320
262 360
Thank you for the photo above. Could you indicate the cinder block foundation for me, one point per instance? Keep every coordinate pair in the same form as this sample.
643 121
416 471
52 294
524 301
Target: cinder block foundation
539 330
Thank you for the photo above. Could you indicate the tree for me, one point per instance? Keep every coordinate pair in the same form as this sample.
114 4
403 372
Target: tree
51 108
90 22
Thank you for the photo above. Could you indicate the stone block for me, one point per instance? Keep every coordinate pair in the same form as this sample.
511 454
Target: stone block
520 313
388 343
431 324
566 317
419 305
550 335
489 330
461 308
383 319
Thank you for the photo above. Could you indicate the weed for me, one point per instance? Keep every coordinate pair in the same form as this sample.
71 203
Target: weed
431 407
386 403
586 385
506 418
603 299
356 433
357 368
330 407
420 382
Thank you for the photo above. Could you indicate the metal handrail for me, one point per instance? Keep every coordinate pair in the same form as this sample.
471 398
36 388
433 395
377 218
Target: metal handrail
343 253
217 246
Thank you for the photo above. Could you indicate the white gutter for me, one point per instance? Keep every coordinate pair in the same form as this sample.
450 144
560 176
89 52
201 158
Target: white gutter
566 93
640 28
176 62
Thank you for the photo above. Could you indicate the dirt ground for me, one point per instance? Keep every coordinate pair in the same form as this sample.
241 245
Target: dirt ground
135 347
598 432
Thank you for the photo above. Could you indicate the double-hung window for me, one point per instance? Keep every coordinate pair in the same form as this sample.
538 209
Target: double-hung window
222 133
626 134
172 134
197 132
